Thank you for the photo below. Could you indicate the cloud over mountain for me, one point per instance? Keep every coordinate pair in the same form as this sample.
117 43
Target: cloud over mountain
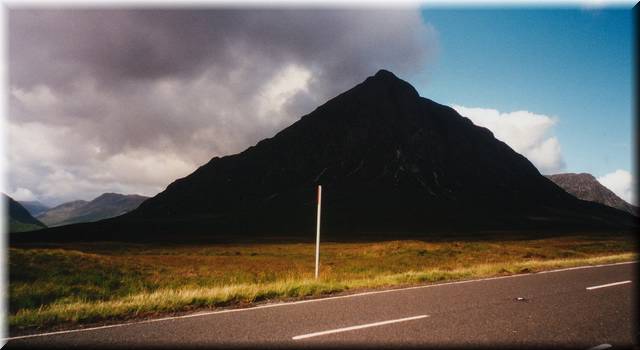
127 100
527 133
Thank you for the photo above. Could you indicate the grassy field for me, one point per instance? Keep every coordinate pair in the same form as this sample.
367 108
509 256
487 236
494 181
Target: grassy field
63 286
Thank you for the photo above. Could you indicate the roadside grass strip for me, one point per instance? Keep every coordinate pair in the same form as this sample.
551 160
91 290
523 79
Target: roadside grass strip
167 300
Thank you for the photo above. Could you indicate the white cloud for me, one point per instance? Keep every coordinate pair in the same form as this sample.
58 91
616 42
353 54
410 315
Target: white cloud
38 99
22 194
45 167
277 92
622 183
526 132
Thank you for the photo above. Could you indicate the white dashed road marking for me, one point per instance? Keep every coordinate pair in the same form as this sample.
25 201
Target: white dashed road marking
353 328
608 285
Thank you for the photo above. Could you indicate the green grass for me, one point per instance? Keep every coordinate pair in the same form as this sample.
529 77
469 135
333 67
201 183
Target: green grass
64 286
17 226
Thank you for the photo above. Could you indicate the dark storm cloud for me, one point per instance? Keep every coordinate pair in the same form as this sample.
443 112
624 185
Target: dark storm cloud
119 86
117 46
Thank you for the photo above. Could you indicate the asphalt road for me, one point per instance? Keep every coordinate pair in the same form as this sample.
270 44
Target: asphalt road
558 310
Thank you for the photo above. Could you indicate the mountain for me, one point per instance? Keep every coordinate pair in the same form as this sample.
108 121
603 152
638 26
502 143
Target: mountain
105 206
59 214
390 162
19 218
586 187
34 207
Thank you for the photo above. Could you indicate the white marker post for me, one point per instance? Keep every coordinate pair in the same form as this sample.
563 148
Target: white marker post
318 231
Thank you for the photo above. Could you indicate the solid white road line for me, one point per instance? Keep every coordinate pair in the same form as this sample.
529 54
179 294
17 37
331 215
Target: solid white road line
276 304
608 285
352 328
600 347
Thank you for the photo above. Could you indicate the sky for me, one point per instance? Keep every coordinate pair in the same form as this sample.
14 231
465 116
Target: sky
571 66
129 100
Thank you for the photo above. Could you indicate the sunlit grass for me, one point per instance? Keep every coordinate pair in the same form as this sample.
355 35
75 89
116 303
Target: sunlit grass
95 282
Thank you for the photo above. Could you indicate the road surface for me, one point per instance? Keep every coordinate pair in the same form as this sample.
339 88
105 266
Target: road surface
578 308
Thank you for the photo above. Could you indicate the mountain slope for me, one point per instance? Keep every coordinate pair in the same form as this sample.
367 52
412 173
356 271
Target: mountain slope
19 218
586 187
389 161
105 206
34 207
59 214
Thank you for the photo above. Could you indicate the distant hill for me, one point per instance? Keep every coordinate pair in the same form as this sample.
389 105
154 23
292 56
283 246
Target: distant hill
586 187
20 220
391 163
60 214
34 207
105 206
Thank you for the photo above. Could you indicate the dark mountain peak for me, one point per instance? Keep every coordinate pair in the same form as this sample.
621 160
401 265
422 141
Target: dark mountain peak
385 74
389 83
387 156
389 161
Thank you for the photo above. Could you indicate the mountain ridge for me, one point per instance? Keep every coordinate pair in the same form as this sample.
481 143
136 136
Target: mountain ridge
34 207
105 206
586 187
389 161
19 218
